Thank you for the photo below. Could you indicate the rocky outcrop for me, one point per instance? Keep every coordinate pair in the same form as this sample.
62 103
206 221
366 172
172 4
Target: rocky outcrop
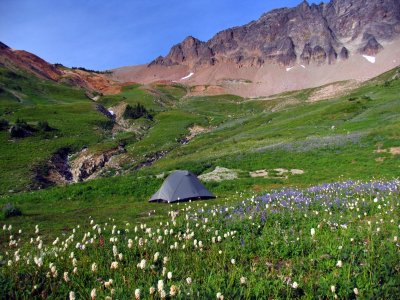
318 55
58 170
151 159
88 164
309 34
344 53
372 47
55 171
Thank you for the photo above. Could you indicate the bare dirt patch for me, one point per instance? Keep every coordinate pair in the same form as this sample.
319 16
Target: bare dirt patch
259 173
380 151
333 90
296 171
394 150
206 90
275 173
194 131
219 174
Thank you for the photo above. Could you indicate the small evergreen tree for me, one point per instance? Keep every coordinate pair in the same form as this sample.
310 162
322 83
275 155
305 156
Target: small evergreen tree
136 112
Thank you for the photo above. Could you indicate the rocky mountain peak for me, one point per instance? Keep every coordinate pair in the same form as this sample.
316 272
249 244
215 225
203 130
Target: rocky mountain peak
303 6
308 34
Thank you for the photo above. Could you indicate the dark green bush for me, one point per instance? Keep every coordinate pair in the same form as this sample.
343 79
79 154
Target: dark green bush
136 112
21 129
3 124
105 125
387 83
44 126
9 210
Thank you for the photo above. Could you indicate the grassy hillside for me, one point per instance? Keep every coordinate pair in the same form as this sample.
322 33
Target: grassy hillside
75 120
351 136
355 136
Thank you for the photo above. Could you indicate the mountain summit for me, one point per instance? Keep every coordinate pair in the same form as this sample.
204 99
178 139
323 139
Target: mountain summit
317 44
304 34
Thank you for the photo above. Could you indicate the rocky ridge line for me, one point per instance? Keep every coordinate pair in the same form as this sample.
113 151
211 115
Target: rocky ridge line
306 34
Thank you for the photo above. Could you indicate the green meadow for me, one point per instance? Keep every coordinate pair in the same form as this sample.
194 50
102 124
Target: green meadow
350 137
329 140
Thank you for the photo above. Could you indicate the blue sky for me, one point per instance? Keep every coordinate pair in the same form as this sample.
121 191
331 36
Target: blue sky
101 35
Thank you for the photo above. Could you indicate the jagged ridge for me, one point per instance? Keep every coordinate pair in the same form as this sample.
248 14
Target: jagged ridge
306 34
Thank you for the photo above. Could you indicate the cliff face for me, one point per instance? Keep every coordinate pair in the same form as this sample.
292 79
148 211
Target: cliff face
306 34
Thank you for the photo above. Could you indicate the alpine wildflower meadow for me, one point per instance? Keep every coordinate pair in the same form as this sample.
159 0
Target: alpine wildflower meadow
337 240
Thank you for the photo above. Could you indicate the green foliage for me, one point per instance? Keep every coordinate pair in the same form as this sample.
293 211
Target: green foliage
105 124
21 129
387 83
90 71
44 126
9 210
137 111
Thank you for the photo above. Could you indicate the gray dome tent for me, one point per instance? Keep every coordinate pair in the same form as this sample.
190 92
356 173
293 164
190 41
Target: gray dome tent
181 186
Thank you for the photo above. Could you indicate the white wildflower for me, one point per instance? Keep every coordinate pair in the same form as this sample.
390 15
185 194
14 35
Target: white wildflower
160 285
137 294
71 295
173 290
66 278
152 290
156 255
142 264
114 265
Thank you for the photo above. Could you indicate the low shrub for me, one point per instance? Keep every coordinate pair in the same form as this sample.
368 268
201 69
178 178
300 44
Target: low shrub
3 124
9 210
44 126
